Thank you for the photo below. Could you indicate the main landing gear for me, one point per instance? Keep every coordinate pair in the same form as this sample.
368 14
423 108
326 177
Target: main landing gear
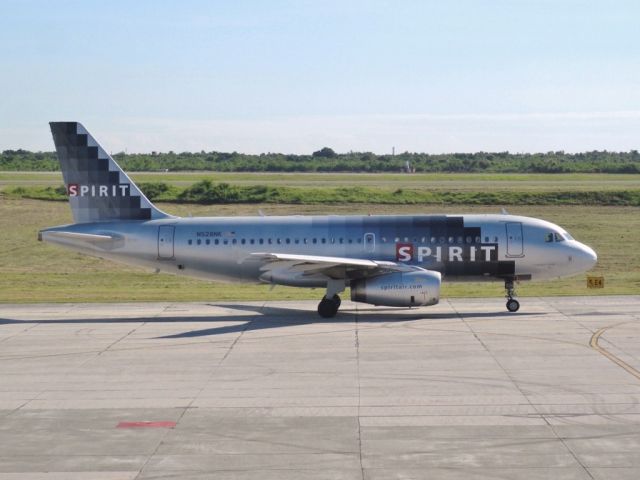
330 303
513 305
328 307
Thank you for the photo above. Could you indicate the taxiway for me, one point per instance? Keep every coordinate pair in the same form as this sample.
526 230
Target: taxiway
461 390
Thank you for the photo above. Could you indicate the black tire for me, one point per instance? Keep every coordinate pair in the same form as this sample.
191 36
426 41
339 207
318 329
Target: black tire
513 305
337 300
327 308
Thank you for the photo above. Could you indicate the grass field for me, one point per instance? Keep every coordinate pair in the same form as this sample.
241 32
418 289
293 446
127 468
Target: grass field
37 272
453 182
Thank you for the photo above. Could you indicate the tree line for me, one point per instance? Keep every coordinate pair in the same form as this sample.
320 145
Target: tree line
326 160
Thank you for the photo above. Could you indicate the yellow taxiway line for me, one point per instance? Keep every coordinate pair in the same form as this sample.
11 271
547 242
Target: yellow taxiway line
621 363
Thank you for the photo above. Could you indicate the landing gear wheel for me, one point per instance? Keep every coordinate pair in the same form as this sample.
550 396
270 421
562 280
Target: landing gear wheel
337 300
513 305
327 308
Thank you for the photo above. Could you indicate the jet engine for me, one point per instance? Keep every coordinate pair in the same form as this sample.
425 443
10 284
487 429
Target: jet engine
401 289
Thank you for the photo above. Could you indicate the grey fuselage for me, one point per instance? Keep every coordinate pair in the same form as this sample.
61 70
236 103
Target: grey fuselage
460 247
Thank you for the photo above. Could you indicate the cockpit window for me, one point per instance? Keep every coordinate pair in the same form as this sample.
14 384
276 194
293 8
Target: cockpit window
557 237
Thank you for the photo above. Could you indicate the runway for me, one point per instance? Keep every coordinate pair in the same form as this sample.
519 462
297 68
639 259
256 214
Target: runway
254 390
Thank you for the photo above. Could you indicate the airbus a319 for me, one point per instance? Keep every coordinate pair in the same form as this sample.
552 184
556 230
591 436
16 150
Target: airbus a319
390 260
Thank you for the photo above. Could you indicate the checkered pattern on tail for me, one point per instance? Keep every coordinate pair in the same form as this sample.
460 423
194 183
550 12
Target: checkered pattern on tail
98 188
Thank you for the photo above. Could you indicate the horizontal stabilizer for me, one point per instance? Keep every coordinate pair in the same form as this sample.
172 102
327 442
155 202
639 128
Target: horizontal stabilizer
87 237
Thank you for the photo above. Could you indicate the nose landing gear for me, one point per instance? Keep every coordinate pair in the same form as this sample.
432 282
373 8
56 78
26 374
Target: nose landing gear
513 305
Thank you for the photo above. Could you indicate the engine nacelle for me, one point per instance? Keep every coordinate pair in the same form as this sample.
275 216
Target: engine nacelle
402 289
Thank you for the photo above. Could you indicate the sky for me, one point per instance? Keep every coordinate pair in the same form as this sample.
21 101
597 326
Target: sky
295 76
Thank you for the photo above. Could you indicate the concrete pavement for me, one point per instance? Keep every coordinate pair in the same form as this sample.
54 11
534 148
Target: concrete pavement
461 390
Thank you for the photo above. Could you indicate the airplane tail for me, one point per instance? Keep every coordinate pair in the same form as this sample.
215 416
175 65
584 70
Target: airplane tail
97 187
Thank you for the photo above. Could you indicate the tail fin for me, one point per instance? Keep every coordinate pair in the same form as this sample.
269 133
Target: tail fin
98 189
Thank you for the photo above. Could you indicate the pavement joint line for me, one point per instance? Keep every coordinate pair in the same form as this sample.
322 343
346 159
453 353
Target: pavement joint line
357 348
594 343
35 324
193 399
542 415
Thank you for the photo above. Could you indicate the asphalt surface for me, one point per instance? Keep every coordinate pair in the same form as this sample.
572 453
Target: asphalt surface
461 390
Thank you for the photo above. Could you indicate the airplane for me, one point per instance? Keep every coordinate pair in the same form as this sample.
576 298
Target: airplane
387 260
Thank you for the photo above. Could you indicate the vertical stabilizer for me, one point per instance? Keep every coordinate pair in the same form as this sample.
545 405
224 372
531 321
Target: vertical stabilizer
97 187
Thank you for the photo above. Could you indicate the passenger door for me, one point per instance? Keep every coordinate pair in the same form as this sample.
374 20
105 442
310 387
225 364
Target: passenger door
515 241
165 242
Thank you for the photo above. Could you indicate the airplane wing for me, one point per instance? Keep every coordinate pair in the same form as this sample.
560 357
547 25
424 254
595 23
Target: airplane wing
333 267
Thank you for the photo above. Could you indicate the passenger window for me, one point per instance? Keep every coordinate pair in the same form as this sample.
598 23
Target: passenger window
324 240
287 241
433 239
199 242
269 241
297 241
190 241
469 240
252 241
261 241
278 241
243 241
486 239
450 239
315 240
350 240
341 240
207 241
460 240
478 239
234 241
226 242
216 241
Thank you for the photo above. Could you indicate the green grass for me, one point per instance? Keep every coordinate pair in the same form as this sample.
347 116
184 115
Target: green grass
206 192
36 272
450 182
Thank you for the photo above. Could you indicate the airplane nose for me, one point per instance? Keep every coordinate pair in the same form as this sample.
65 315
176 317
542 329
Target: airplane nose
586 256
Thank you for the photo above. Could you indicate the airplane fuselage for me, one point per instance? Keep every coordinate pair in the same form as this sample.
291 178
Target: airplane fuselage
460 247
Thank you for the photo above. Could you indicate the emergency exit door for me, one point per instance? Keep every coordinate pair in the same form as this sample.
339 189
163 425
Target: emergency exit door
165 241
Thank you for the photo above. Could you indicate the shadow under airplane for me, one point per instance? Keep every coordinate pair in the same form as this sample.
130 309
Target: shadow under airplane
273 317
